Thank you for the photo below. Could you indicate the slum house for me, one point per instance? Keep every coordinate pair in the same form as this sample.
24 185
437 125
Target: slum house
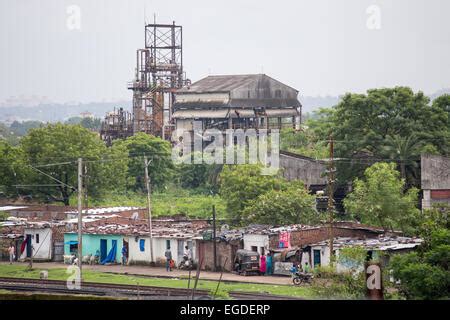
237 102
435 180
227 242
37 212
106 237
40 240
378 249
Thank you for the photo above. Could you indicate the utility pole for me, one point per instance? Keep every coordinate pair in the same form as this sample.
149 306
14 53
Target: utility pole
330 208
214 238
149 204
80 213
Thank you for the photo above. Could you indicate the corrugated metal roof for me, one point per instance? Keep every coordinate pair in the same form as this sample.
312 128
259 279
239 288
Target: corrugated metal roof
281 112
221 83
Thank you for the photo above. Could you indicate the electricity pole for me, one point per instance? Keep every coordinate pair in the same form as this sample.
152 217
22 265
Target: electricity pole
80 213
214 238
330 208
149 204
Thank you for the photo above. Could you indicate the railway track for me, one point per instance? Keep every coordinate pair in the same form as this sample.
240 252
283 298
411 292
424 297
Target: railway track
124 290
99 289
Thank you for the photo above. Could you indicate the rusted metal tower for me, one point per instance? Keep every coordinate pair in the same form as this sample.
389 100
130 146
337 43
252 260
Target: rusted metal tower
159 73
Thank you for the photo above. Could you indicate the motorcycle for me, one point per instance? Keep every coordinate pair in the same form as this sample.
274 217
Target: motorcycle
302 277
186 264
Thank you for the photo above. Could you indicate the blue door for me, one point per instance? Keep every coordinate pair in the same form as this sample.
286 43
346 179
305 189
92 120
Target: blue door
103 249
316 258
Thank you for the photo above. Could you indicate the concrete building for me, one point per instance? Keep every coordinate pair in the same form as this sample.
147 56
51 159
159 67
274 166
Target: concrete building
435 180
237 101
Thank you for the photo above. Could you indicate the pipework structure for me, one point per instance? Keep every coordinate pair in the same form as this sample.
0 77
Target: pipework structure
158 74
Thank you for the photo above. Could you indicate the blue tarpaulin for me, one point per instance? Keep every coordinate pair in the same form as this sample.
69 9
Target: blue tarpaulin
71 242
142 245
111 257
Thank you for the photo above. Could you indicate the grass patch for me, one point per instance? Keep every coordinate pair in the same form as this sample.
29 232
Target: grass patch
102 277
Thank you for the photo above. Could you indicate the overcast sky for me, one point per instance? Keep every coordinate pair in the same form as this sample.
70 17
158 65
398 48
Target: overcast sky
319 47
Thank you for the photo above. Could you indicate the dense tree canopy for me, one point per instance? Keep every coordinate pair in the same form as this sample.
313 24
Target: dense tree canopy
55 148
366 126
380 199
158 152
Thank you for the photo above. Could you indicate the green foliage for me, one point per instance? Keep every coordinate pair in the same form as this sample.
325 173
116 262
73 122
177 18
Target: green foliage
330 284
366 125
303 142
379 199
22 128
158 152
58 143
86 122
352 257
12 168
291 205
425 275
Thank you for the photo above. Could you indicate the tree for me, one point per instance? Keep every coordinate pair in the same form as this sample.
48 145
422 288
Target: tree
380 199
425 274
241 184
158 151
362 124
55 148
293 205
303 142
13 168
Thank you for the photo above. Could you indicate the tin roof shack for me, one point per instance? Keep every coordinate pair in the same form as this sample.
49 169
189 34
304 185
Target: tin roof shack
237 101
40 238
100 213
37 212
320 251
11 232
167 234
227 243
435 180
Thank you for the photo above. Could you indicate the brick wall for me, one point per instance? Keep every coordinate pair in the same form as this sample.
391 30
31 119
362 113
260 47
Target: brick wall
224 250
301 238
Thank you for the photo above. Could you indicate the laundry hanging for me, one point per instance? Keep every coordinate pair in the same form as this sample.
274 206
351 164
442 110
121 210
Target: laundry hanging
111 257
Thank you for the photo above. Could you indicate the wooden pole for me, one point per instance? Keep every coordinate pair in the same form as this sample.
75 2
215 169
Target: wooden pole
331 198
214 238
80 213
149 204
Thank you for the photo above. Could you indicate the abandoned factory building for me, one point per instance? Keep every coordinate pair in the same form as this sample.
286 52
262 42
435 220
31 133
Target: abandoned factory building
237 102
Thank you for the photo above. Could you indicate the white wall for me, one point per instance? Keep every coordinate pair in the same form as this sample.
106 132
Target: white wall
159 249
43 249
257 240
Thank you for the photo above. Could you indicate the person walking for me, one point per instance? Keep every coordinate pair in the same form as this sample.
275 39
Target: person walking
11 251
262 265
269 264
168 255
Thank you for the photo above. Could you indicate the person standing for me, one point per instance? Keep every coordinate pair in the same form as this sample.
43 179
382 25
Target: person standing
269 264
124 255
168 255
11 251
262 265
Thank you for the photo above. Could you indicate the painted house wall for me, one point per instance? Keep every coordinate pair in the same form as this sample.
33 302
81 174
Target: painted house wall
135 255
257 240
91 243
43 249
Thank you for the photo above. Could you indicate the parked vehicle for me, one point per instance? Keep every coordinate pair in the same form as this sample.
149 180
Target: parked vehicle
186 264
302 278
246 262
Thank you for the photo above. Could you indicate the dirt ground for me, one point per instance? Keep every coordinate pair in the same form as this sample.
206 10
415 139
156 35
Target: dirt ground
161 272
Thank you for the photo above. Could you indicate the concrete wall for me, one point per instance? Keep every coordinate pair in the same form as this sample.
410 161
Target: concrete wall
257 240
91 243
225 252
136 256
307 170
43 249
435 180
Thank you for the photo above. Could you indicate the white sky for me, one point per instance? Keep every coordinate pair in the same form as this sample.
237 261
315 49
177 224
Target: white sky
317 46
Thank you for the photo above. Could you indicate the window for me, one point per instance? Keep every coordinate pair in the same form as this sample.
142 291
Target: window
142 245
167 244
254 248
37 237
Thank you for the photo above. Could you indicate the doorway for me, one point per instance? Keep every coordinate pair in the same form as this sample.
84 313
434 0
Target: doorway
316 254
103 249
